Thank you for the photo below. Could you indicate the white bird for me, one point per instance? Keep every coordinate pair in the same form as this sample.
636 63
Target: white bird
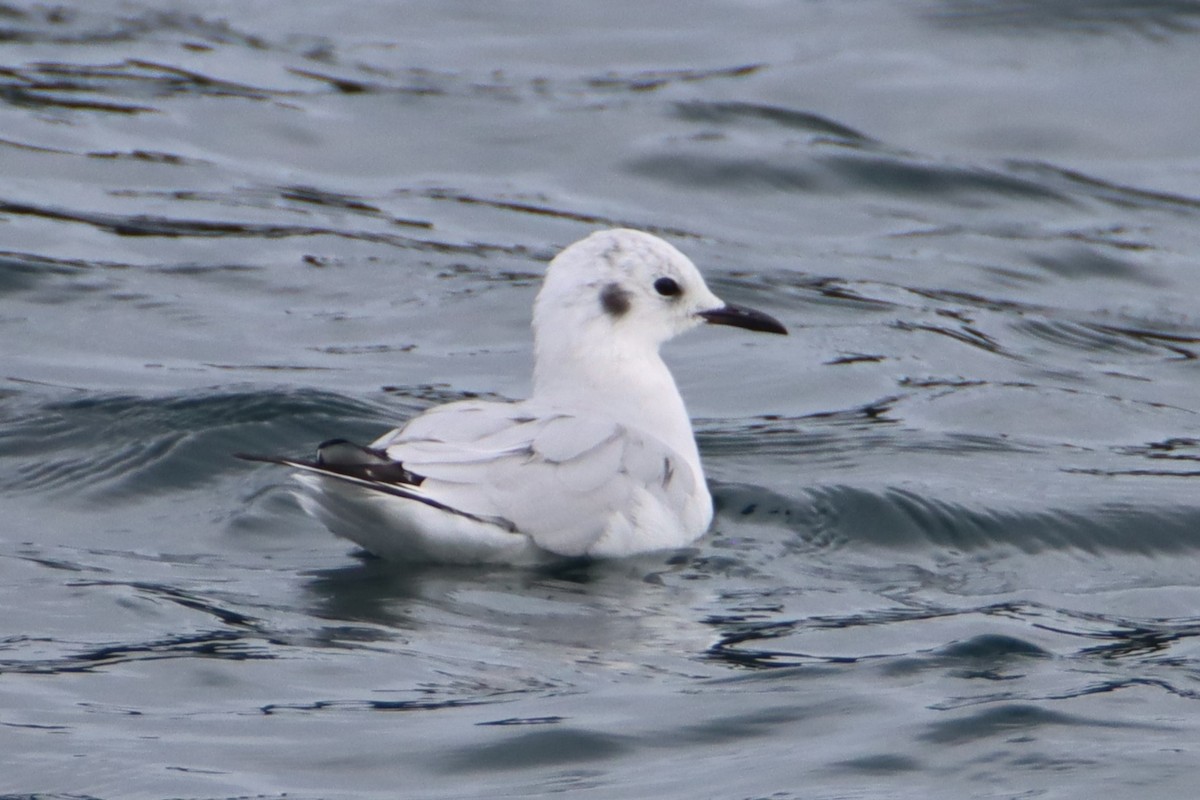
600 461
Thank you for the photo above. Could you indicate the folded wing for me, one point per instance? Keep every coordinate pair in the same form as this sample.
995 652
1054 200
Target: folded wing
566 481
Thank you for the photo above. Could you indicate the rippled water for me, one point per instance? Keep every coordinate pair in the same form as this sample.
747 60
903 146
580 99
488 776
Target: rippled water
958 532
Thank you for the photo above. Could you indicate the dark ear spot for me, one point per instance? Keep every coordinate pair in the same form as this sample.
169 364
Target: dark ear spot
614 299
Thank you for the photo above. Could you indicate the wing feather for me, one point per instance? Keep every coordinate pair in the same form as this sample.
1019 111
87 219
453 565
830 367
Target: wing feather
564 480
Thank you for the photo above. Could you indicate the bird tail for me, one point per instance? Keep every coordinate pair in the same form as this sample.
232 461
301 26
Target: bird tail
370 469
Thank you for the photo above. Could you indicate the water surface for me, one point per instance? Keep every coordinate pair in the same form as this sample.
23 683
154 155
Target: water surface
958 532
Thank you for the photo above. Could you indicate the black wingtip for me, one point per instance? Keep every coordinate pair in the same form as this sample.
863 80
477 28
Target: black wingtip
337 453
342 458
388 478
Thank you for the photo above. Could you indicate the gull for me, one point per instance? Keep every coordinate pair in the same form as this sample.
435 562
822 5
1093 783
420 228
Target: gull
600 461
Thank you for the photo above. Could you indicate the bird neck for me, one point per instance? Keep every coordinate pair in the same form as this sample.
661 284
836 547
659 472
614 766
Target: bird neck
630 384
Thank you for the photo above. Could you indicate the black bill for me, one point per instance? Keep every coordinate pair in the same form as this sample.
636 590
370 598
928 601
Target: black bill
742 317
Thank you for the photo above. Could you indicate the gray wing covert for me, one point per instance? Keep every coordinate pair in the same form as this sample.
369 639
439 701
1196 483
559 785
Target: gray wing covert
558 477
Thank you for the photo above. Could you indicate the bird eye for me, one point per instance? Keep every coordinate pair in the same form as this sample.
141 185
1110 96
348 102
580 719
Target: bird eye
667 287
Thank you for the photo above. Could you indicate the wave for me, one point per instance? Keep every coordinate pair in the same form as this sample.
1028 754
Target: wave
102 446
894 517
105 447
754 147
1151 18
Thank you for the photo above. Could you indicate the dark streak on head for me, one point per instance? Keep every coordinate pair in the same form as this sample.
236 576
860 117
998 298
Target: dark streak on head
610 254
614 299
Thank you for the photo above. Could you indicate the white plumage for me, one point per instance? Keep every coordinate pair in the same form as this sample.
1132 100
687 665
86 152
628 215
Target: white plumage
600 461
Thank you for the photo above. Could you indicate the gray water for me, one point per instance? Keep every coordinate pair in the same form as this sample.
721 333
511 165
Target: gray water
958 535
